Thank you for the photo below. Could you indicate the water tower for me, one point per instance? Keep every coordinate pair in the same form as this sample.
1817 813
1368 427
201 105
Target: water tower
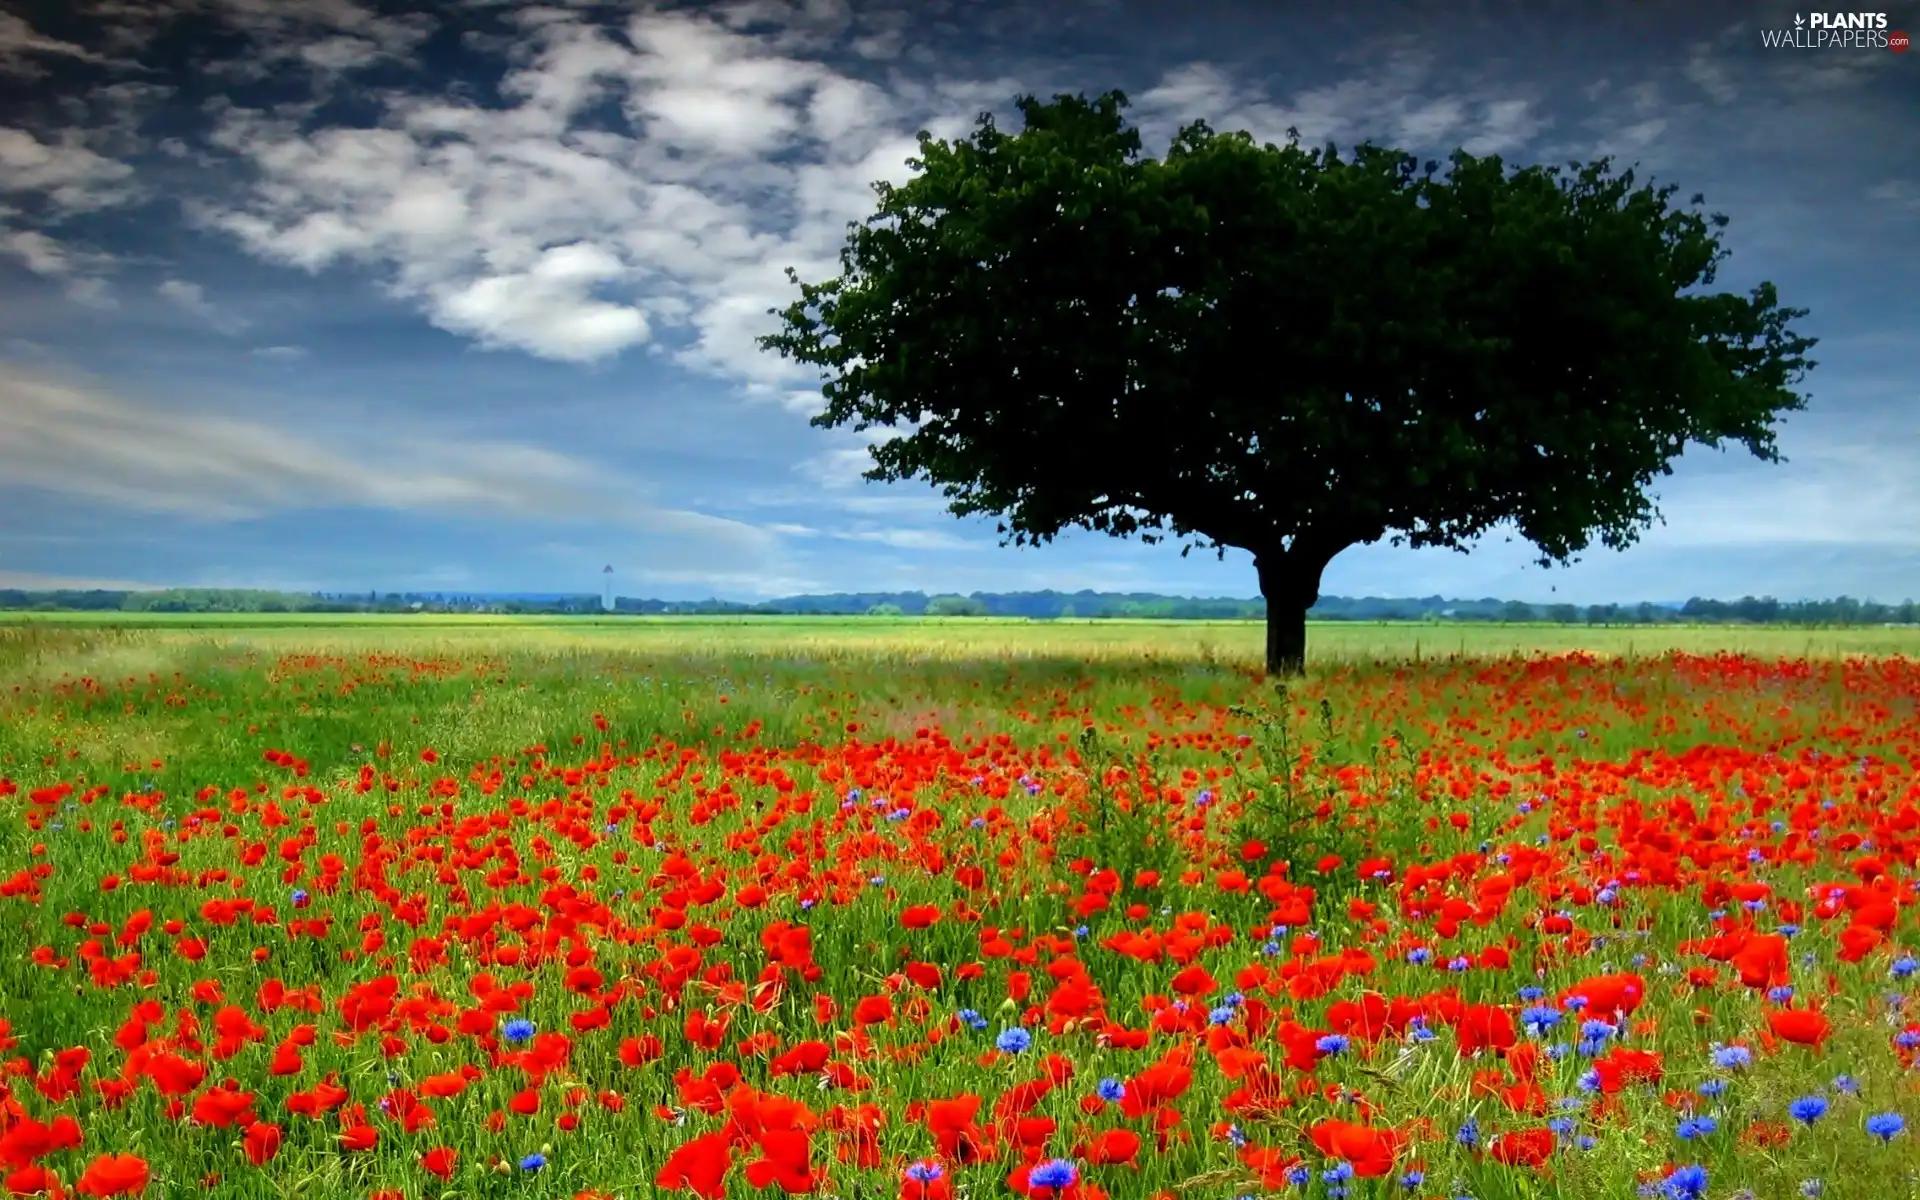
606 589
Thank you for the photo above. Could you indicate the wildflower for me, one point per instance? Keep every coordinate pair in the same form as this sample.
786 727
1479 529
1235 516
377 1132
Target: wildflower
1013 1041
533 1162
1808 1109
1469 1134
1685 1183
1111 1090
1538 1019
1693 1127
1333 1043
517 1030
1732 1058
1057 1173
1846 1085
1904 966
972 1018
924 1172
1886 1126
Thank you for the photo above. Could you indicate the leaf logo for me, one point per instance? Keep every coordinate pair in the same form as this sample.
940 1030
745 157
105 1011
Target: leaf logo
1798 20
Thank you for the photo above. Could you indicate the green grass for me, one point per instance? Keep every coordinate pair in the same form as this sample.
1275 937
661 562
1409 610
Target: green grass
969 637
1374 754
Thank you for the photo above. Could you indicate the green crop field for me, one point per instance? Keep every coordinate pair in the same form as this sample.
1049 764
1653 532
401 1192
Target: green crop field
409 908
932 637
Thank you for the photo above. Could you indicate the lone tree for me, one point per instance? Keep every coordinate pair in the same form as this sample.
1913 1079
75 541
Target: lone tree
1284 350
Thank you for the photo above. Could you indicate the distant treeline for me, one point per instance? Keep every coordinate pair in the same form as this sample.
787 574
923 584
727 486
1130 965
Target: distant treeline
1047 605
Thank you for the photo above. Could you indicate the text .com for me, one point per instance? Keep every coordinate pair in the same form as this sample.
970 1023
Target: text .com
1825 39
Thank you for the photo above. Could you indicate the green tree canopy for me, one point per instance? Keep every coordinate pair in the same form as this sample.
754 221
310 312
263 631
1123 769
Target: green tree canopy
1285 350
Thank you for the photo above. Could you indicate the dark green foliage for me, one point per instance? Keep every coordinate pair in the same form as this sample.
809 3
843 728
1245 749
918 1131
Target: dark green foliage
1285 350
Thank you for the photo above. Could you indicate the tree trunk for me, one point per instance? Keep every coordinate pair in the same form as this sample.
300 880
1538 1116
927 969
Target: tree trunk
1290 584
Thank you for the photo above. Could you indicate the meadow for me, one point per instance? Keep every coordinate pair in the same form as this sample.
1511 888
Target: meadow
891 908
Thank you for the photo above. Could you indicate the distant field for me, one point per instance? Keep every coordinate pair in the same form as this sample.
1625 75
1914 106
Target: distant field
165 636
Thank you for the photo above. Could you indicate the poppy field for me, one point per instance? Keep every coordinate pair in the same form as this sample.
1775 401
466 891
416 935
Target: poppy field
411 925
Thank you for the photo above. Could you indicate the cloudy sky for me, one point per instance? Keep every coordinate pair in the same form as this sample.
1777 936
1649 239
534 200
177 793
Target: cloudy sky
337 294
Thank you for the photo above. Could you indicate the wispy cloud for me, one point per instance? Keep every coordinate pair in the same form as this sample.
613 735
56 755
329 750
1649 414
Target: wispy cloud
192 298
34 581
76 438
1402 101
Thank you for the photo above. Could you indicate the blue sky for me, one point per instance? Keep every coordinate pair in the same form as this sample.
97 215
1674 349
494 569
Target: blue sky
328 294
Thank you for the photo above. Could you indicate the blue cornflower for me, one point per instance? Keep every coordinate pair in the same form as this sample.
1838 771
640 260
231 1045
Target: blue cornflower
973 1019
1013 1041
1781 994
1221 1016
1538 1019
1057 1173
1413 1179
517 1030
1808 1109
1298 1176
299 896
1458 963
1712 1087
1904 966
1333 1043
1732 1058
1529 994
1886 1126
1419 956
1686 1183
924 1172
1693 1127
1561 1126
1111 1090
1469 1135
1846 1085
533 1162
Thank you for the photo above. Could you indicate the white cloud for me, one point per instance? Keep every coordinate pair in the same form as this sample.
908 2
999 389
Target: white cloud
1400 104
35 581
845 467
1901 193
65 174
532 226
80 272
280 353
21 45
908 539
79 439
193 298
